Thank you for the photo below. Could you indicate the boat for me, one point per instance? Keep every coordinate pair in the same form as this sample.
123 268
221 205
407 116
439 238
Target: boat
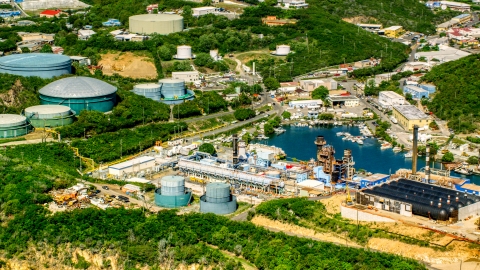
360 141
279 130
463 171
409 154
344 138
339 133
385 145
262 137
397 149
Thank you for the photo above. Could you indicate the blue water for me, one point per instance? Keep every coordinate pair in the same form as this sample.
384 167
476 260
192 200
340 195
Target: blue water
298 142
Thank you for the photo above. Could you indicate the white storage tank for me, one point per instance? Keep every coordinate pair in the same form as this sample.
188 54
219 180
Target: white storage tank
148 90
184 52
172 88
282 50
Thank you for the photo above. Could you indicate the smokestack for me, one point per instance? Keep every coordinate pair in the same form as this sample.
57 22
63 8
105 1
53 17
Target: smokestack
415 150
235 149
320 142
427 165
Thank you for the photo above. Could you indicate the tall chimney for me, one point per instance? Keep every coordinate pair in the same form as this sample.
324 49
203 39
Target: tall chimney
235 149
320 142
415 150
427 165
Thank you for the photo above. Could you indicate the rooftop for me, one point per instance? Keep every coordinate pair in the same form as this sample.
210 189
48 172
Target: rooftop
156 17
461 16
32 60
375 177
391 94
415 88
132 162
47 109
410 112
204 8
77 87
342 98
393 28
51 12
7 120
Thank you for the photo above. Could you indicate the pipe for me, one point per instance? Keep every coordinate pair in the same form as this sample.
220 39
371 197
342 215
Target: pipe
415 150
427 166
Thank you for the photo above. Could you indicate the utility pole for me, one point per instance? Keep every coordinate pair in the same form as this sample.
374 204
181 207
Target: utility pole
121 144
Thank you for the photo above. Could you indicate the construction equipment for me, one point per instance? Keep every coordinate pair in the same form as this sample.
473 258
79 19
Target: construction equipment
349 197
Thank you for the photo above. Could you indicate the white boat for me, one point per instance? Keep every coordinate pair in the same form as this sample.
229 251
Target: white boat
397 149
360 141
262 137
344 138
279 130
339 133
409 154
385 146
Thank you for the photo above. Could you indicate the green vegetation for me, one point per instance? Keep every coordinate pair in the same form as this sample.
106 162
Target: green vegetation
472 160
113 145
473 139
381 131
456 99
207 148
244 114
271 83
320 93
286 115
204 103
448 157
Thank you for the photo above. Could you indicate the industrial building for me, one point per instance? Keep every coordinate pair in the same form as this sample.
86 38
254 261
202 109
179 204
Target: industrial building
200 11
281 50
373 180
149 90
174 91
172 193
42 116
305 103
13 125
344 101
312 84
162 24
387 99
409 115
393 31
415 91
184 52
218 199
187 76
44 65
445 54
370 27
80 93
132 166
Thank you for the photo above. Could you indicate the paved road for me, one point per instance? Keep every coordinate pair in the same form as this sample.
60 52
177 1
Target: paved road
20 9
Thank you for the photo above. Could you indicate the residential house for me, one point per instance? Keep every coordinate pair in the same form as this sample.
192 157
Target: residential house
393 31
50 13
84 34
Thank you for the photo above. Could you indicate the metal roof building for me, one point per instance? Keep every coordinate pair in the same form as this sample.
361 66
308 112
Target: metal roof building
44 65
80 93
49 115
162 24
13 125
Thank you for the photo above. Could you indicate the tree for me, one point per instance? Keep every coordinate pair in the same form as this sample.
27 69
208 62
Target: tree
320 93
286 115
257 89
207 148
46 49
207 2
164 53
271 83
243 114
25 50
203 59
187 14
472 160
448 157
268 129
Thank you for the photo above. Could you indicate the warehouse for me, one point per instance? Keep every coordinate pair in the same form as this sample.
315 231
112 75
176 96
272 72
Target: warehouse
187 76
162 24
44 65
42 116
393 31
132 166
409 115
305 103
373 180
13 125
80 93
415 91
387 99
197 12
344 101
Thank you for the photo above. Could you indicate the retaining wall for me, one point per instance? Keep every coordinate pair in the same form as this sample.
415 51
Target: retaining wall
351 213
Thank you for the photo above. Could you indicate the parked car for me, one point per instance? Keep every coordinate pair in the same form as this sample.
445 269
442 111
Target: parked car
105 187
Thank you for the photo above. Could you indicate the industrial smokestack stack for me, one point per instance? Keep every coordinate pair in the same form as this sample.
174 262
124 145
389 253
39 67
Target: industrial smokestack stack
235 149
320 142
415 150
427 165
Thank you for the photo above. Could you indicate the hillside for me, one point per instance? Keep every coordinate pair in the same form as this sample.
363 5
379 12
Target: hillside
458 89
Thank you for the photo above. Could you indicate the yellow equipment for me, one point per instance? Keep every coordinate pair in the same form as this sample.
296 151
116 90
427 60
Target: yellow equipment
349 198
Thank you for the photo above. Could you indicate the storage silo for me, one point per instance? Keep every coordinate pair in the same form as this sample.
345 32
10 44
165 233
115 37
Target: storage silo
282 50
80 93
148 90
41 116
13 125
184 52
174 91
172 193
218 199
43 65
162 24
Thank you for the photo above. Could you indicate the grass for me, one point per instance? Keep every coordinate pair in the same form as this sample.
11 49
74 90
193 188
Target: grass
242 207
264 108
12 140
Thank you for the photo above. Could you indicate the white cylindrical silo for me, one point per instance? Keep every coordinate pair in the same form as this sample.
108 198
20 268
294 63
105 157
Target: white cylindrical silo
184 52
148 90
283 50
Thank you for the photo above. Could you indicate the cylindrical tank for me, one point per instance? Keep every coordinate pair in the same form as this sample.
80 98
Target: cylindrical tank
218 193
13 125
162 24
49 115
148 90
282 50
172 88
214 54
272 174
44 65
184 52
173 185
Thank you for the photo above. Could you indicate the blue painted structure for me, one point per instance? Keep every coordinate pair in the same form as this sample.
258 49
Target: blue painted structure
43 65
112 22
429 87
415 91
9 13
374 180
80 93
320 175
218 199
301 177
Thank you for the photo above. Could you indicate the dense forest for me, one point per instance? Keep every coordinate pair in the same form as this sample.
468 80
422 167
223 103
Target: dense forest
458 89
163 240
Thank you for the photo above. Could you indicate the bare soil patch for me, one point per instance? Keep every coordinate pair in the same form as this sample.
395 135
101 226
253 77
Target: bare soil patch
128 64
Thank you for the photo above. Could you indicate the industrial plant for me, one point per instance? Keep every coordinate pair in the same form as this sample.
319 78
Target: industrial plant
172 192
12 125
80 93
169 91
42 116
44 65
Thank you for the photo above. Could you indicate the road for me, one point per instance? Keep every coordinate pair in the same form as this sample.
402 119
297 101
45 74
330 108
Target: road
19 8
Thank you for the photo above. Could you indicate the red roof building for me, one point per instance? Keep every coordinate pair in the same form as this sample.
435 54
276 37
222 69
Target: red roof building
51 13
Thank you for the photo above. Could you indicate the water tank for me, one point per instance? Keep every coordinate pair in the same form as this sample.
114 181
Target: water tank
172 88
218 192
272 174
148 90
44 65
282 50
49 115
162 24
173 185
184 52
13 125
214 54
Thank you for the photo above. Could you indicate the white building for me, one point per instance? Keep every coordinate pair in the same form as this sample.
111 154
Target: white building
344 101
85 34
310 85
295 4
187 76
132 166
305 103
445 54
197 12
288 88
387 99
416 66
